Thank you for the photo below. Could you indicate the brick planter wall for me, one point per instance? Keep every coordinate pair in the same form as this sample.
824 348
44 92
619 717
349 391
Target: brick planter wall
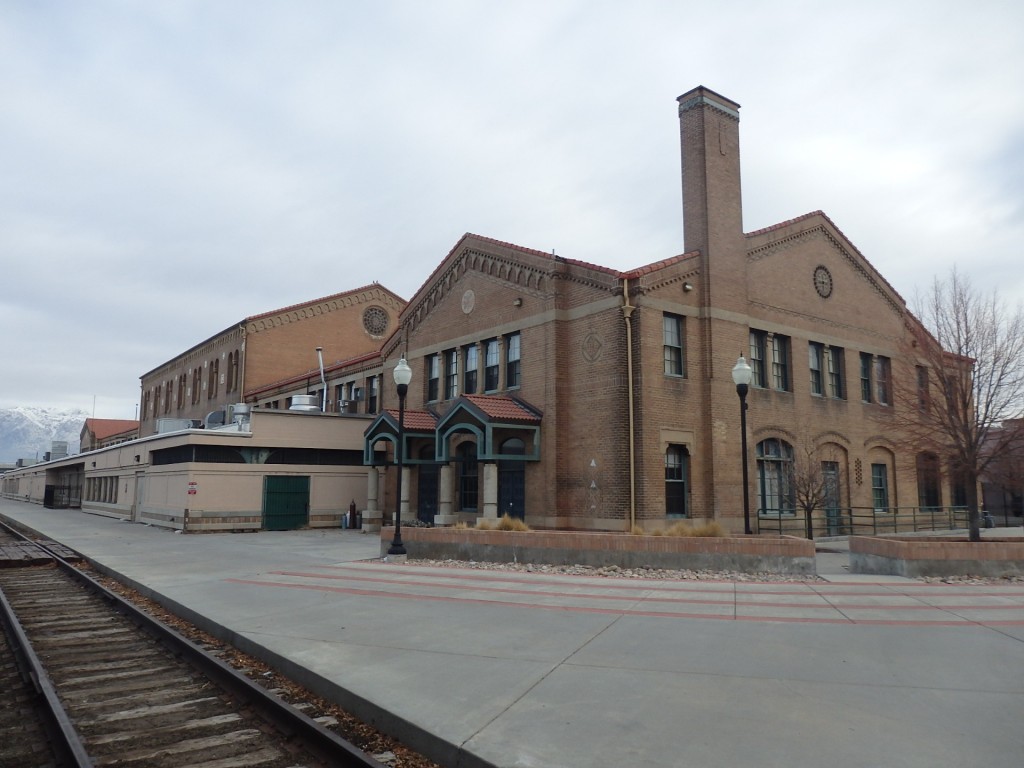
936 556
755 554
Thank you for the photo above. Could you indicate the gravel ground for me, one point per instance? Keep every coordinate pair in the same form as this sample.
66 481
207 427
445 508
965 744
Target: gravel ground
615 572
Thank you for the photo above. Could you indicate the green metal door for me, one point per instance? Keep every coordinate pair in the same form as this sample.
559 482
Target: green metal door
285 502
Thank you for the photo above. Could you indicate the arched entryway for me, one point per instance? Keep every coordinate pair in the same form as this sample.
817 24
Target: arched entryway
468 469
512 479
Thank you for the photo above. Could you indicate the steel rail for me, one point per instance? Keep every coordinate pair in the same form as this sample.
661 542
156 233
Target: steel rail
65 739
288 720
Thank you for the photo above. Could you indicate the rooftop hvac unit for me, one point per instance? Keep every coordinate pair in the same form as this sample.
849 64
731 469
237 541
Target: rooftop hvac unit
214 419
163 426
306 403
240 412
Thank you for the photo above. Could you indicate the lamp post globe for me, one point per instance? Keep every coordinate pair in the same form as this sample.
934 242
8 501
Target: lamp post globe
403 375
742 375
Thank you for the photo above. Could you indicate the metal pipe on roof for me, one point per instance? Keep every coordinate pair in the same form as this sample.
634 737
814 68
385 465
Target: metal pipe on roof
323 378
627 314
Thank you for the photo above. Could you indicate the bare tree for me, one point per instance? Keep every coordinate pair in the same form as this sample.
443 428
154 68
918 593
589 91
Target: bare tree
1005 472
810 485
969 379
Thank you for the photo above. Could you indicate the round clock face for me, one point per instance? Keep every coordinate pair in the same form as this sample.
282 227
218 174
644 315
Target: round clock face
823 282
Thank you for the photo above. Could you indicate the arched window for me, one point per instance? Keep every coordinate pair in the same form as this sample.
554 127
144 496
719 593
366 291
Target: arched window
211 386
231 380
774 477
677 476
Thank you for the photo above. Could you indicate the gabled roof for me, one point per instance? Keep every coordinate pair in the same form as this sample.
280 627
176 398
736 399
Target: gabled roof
321 300
821 215
507 410
104 428
413 420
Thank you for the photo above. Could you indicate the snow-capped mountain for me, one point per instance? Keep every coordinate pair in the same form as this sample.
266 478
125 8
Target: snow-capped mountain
27 433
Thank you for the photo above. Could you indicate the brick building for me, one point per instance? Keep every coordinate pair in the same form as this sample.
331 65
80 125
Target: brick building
101 433
256 352
584 397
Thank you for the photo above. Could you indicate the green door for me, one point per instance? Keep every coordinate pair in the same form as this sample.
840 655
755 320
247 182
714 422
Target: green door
285 502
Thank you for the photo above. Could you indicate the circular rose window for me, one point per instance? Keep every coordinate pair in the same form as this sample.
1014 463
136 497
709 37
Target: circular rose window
375 321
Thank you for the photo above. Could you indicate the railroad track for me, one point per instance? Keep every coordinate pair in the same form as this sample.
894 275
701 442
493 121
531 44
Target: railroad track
126 690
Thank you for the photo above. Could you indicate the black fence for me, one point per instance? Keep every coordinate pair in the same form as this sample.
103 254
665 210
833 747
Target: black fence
865 521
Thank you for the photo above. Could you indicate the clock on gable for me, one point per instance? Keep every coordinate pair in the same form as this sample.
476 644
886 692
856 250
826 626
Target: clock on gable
823 281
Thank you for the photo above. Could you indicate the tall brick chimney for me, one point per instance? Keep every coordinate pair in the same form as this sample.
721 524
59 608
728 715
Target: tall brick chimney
709 127
712 203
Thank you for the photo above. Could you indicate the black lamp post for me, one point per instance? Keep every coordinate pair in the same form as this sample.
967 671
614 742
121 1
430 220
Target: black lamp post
742 374
403 375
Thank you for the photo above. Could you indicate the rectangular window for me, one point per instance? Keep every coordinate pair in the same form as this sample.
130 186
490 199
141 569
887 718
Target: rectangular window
758 346
513 368
865 377
675 481
491 363
451 376
834 357
880 487
780 362
883 373
672 332
433 378
471 367
371 394
816 357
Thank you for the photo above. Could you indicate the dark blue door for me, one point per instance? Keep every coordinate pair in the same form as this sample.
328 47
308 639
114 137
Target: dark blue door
512 480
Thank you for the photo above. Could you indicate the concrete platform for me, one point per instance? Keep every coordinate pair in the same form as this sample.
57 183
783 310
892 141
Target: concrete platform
510 669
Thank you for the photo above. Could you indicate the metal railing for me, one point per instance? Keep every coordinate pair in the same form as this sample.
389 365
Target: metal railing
864 521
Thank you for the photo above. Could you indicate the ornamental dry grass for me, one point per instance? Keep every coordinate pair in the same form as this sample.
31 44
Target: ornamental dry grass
505 523
711 529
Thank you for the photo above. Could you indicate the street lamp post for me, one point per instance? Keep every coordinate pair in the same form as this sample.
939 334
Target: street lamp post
742 374
403 375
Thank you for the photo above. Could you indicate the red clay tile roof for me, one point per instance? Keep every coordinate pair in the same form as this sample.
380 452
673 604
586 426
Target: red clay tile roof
504 409
416 421
291 307
104 428
655 266
823 215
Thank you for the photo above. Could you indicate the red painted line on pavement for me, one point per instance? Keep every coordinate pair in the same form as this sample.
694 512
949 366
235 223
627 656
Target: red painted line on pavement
685 585
740 599
610 611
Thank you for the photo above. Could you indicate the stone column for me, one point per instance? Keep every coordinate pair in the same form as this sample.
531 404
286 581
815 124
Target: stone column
446 497
406 485
372 513
490 491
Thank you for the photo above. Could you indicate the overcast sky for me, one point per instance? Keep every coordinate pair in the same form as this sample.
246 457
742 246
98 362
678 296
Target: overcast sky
170 168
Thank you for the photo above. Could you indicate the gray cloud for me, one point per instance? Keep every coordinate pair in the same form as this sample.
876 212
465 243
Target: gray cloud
172 167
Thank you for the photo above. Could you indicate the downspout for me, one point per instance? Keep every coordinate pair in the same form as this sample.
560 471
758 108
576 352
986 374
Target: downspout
323 379
627 314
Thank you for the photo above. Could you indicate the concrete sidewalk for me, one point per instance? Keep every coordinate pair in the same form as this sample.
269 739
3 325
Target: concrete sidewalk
504 668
